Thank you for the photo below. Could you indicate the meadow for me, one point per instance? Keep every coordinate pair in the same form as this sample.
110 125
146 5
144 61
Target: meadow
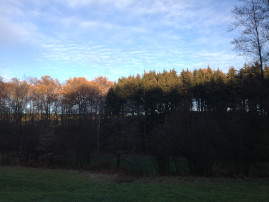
35 184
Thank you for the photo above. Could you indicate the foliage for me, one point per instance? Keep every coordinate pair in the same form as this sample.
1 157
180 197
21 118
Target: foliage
206 117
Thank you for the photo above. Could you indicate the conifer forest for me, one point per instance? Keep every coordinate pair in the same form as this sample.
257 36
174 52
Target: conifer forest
211 120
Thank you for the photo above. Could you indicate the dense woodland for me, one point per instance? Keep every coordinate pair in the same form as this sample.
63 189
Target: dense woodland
209 118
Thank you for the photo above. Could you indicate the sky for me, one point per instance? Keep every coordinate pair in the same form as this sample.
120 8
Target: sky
114 38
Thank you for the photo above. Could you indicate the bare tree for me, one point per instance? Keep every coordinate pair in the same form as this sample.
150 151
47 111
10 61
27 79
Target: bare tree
18 98
250 20
266 16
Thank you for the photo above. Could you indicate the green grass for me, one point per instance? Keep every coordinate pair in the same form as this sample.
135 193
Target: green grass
136 165
27 184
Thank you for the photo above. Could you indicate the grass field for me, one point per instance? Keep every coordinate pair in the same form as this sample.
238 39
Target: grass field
28 184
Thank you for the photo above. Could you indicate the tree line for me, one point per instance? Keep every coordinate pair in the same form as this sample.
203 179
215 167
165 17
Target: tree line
35 113
207 117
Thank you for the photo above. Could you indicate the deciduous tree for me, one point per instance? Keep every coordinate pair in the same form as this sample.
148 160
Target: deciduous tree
251 19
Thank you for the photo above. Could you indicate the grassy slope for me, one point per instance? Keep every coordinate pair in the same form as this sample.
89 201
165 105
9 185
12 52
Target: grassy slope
24 184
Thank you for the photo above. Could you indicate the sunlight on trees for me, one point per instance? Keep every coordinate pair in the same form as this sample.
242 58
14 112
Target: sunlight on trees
207 117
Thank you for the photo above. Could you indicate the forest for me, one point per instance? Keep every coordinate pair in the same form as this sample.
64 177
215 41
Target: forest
211 120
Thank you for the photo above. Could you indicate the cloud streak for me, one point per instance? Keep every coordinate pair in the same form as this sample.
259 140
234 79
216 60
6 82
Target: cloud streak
120 37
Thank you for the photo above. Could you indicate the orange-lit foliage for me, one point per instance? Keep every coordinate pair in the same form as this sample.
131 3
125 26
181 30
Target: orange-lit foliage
102 84
81 96
45 93
208 113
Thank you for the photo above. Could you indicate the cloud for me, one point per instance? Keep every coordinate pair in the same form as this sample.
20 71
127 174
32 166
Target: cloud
75 53
80 23
135 61
74 4
220 59
16 33
117 35
91 54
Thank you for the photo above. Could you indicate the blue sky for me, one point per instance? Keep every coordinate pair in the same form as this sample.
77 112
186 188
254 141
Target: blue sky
113 38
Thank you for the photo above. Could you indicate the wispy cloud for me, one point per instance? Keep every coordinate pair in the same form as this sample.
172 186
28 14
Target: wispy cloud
119 37
75 4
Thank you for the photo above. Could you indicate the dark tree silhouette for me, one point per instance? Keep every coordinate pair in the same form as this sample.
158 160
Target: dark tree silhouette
209 119
251 19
